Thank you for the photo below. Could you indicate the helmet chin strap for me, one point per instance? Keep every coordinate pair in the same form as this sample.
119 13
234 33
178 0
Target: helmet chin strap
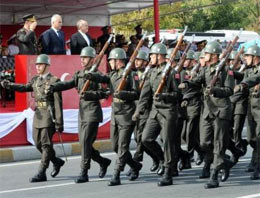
43 71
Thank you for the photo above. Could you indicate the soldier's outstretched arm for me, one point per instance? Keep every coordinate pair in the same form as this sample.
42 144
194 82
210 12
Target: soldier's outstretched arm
22 87
65 85
252 81
98 77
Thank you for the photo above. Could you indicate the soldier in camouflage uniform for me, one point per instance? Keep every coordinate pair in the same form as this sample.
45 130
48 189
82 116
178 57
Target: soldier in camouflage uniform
90 114
48 116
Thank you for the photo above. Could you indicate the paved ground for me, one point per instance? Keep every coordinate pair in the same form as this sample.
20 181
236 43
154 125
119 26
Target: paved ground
14 182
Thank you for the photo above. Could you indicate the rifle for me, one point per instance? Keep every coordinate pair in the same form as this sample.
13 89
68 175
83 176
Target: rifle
168 67
129 65
195 69
237 59
222 62
183 57
144 76
96 63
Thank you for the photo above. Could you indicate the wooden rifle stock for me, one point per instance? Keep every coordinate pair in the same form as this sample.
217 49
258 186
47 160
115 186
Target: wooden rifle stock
129 65
183 58
96 64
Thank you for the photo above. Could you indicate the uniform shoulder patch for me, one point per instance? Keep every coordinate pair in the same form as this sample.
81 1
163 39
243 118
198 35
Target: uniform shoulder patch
187 77
230 72
177 76
136 77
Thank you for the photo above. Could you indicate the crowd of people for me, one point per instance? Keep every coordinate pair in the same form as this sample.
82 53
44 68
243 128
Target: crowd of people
170 92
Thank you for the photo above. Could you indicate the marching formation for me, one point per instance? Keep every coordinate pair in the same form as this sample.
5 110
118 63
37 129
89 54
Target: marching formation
202 98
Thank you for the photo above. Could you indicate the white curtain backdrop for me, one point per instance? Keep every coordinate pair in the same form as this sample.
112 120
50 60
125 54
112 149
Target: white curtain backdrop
9 121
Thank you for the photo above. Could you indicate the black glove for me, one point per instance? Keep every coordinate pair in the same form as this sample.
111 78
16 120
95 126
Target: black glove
136 116
159 97
120 94
184 103
59 129
5 84
88 75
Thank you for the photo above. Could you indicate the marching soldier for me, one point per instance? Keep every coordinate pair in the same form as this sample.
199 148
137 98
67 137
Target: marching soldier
27 41
191 101
162 117
48 116
90 114
251 80
141 62
123 107
216 116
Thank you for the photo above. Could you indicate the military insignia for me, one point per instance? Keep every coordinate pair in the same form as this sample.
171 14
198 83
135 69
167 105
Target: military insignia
187 77
136 77
177 76
231 73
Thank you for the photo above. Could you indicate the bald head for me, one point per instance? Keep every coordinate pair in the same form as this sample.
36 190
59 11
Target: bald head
82 25
56 21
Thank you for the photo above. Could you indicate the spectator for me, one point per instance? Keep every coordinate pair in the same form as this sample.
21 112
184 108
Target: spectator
104 37
53 39
132 45
13 48
138 30
145 47
80 39
27 41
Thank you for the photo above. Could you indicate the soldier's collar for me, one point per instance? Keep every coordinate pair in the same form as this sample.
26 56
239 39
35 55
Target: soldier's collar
44 75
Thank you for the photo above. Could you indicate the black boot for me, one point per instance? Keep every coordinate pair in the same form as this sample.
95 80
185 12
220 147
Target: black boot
185 163
161 169
167 178
129 172
213 181
155 166
175 171
115 180
83 177
250 167
255 174
226 170
40 176
136 167
244 144
199 159
57 164
103 167
205 172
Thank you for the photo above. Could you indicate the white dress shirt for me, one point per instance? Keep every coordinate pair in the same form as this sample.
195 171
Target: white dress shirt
85 37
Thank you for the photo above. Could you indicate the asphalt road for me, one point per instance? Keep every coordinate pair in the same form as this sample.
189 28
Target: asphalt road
14 182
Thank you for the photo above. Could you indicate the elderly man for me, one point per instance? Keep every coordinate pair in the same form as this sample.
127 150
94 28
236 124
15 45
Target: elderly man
27 41
53 39
80 39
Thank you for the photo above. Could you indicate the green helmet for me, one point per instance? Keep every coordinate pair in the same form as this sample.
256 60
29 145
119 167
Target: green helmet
117 53
88 51
253 50
43 58
202 55
158 48
232 55
213 47
142 55
197 55
190 55
177 57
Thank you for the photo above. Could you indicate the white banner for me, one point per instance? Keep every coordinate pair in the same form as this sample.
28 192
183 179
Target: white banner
9 121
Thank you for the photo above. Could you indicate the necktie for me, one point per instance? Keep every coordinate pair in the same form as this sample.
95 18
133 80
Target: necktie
59 34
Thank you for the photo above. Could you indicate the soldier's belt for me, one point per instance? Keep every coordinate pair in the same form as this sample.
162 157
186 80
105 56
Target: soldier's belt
117 100
41 104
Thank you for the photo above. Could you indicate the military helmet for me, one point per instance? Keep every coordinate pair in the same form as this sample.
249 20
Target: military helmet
158 48
253 50
232 55
190 55
88 51
213 47
43 59
197 55
117 53
178 54
142 55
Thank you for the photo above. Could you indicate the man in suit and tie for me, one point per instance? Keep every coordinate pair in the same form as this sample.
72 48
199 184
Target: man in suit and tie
53 39
80 39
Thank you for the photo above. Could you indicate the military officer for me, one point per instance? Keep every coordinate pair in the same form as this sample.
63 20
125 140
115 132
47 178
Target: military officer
162 118
27 41
251 81
48 116
90 114
216 116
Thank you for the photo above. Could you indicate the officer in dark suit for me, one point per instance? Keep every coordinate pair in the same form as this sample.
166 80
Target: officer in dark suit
27 41
90 115
53 39
80 39
48 116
